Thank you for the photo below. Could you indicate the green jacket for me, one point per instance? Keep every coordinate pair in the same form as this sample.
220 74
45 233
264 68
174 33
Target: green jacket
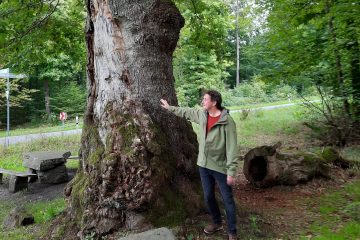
217 150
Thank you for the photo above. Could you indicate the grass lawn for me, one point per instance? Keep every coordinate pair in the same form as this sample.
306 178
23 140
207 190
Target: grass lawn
12 156
268 126
43 212
339 212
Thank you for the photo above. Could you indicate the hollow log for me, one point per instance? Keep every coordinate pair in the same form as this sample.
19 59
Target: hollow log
265 166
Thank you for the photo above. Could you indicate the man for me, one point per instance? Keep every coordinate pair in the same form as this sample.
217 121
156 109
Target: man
217 159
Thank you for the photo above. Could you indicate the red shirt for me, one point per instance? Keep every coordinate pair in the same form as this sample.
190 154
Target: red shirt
211 121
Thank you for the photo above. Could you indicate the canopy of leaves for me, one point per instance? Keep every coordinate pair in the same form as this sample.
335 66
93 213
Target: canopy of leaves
45 40
315 42
200 59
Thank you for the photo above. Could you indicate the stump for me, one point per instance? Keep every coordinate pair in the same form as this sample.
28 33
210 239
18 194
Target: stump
265 166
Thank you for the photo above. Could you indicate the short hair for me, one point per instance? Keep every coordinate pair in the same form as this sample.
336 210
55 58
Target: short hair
215 96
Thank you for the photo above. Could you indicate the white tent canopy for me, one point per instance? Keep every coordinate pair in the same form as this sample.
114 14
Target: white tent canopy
5 73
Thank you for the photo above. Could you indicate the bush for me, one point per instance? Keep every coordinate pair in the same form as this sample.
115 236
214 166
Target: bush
248 93
257 91
331 123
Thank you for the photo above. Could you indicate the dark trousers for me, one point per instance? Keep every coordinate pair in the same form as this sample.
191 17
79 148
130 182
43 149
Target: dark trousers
208 180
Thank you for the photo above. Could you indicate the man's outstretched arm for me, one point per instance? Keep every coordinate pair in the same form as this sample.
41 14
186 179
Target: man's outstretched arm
191 114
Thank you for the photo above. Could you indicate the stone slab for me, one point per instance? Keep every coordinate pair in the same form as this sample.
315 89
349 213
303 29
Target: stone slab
154 234
53 176
20 174
42 161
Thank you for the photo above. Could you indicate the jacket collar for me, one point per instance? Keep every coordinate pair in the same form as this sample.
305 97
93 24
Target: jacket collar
223 116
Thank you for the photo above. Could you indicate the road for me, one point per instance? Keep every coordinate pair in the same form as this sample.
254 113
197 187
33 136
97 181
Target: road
31 137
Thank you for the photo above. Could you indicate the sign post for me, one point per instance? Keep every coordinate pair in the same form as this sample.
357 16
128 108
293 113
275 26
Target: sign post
7 109
63 117
77 121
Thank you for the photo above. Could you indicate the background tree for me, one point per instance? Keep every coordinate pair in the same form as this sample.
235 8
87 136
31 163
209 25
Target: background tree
201 57
19 96
43 39
317 44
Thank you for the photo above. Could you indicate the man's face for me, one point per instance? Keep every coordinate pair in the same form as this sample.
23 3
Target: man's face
206 102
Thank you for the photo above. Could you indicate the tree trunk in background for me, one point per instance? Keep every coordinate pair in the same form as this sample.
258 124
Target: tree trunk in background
340 89
265 166
47 98
138 161
355 76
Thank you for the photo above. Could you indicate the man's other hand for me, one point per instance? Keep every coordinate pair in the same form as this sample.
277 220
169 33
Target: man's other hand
230 180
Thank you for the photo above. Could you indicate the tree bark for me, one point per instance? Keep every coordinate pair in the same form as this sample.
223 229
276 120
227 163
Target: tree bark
339 90
137 160
265 166
47 98
354 50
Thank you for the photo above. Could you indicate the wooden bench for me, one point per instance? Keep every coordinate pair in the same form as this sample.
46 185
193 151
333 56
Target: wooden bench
18 180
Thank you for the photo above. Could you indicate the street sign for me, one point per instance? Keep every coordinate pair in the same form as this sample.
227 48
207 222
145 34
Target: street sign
63 116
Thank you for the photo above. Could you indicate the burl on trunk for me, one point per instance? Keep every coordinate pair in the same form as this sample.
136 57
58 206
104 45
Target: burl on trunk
138 162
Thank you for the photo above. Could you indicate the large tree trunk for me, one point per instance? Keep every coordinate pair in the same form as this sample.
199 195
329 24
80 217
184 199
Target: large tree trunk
137 160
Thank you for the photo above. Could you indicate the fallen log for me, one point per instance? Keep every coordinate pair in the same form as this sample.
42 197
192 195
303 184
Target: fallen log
265 166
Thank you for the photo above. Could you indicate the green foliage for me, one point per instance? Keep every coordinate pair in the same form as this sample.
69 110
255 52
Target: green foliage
257 91
316 44
203 31
330 122
19 95
43 39
70 99
197 73
200 59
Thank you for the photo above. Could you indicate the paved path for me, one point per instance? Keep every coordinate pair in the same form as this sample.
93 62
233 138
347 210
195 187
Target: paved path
273 107
31 137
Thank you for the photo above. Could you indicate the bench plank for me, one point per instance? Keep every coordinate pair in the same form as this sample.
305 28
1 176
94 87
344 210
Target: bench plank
18 174
18 180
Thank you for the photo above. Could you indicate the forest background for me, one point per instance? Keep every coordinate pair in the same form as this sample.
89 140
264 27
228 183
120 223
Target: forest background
287 49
